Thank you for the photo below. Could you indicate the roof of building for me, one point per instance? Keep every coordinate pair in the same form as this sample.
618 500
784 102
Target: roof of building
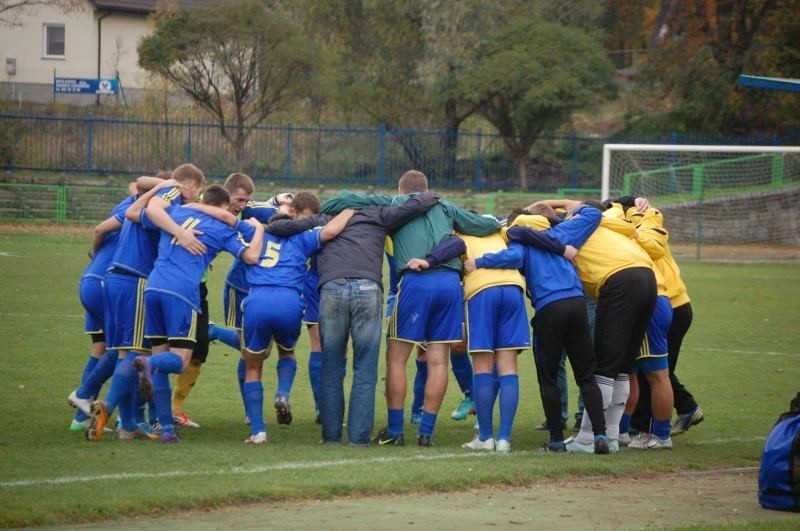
148 6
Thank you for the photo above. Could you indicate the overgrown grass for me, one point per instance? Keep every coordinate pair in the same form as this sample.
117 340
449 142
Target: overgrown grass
740 360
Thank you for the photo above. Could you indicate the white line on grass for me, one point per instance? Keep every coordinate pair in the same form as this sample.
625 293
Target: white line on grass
290 466
6 314
733 351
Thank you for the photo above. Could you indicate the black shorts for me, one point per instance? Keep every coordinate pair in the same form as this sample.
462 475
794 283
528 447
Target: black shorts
200 352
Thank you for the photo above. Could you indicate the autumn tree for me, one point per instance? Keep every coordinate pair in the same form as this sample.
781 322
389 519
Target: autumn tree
239 62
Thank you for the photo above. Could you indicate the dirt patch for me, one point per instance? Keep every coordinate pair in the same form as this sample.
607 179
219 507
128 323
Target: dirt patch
667 500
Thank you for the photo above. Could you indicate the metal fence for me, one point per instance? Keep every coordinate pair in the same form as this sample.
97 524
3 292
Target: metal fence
312 155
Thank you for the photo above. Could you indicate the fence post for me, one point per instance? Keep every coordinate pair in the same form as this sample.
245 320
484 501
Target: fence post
289 151
381 155
188 151
477 182
89 141
574 161
777 170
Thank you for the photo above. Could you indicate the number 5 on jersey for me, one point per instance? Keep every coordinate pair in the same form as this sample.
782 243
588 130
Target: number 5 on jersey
271 255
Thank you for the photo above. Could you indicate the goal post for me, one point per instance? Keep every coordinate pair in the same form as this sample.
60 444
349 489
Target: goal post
724 196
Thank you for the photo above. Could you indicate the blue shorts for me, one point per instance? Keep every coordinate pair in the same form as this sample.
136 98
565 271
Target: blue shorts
652 364
272 313
497 320
92 298
168 317
654 346
232 300
124 312
428 307
311 298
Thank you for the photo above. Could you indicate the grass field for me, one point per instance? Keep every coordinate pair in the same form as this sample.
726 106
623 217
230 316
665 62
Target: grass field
740 359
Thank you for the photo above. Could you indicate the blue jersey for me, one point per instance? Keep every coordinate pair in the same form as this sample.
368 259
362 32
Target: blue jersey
178 272
138 245
283 260
261 211
102 257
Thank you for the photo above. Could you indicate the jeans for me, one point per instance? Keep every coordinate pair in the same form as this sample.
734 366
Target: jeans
349 307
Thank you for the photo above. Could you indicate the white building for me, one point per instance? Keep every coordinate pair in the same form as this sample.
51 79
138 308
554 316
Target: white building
96 40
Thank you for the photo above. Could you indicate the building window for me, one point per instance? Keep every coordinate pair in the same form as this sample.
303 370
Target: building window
54 41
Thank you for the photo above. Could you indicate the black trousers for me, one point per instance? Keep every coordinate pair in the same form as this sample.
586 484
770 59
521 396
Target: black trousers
200 351
684 401
624 309
564 325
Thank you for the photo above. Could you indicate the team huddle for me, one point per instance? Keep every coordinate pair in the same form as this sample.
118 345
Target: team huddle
605 289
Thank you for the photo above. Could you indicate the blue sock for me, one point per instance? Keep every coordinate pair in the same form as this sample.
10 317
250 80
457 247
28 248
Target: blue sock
127 415
624 423
229 336
314 368
138 405
286 369
660 428
484 404
152 416
427 423
89 367
166 362
496 384
120 388
240 371
396 420
162 396
419 386
254 405
509 398
103 369
462 369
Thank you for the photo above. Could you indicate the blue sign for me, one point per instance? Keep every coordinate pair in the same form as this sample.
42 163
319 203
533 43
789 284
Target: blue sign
70 85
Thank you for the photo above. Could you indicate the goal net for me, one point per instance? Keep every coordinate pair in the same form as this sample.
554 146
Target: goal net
719 202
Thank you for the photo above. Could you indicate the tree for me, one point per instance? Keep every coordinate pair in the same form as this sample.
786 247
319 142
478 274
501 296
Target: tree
240 62
530 78
10 10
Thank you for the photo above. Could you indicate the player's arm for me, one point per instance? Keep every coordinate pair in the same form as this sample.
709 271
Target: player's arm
157 213
450 247
511 258
336 225
111 224
220 214
134 211
146 183
288 227
576 230
568 204
253 251
471 223
355 200
395 217
538 239
653 240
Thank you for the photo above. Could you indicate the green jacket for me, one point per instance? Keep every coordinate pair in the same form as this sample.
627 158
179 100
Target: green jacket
417 237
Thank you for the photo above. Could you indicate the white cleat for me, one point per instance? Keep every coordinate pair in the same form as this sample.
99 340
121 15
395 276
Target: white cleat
624 439
258 438
478 444
84 404
575 447
647 441
502 446
613 446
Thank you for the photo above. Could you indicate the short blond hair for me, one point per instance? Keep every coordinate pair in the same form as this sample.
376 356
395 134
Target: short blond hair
239 180
189 173
412 181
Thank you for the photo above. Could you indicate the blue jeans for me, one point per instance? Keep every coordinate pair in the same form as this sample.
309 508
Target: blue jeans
349 307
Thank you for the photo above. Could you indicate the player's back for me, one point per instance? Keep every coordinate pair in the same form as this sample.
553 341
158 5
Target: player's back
283 261
105 253
484 278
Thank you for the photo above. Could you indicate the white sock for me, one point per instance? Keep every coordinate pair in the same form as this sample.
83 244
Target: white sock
586 435
622 388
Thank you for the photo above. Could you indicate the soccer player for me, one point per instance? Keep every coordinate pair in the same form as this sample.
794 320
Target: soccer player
429 305
496 331
172 299
560 321
619 275
274 309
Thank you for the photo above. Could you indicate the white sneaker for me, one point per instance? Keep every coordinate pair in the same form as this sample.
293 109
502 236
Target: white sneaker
575 447
624 439
651 442
613 446
258 438
478 444
502 446
84 404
